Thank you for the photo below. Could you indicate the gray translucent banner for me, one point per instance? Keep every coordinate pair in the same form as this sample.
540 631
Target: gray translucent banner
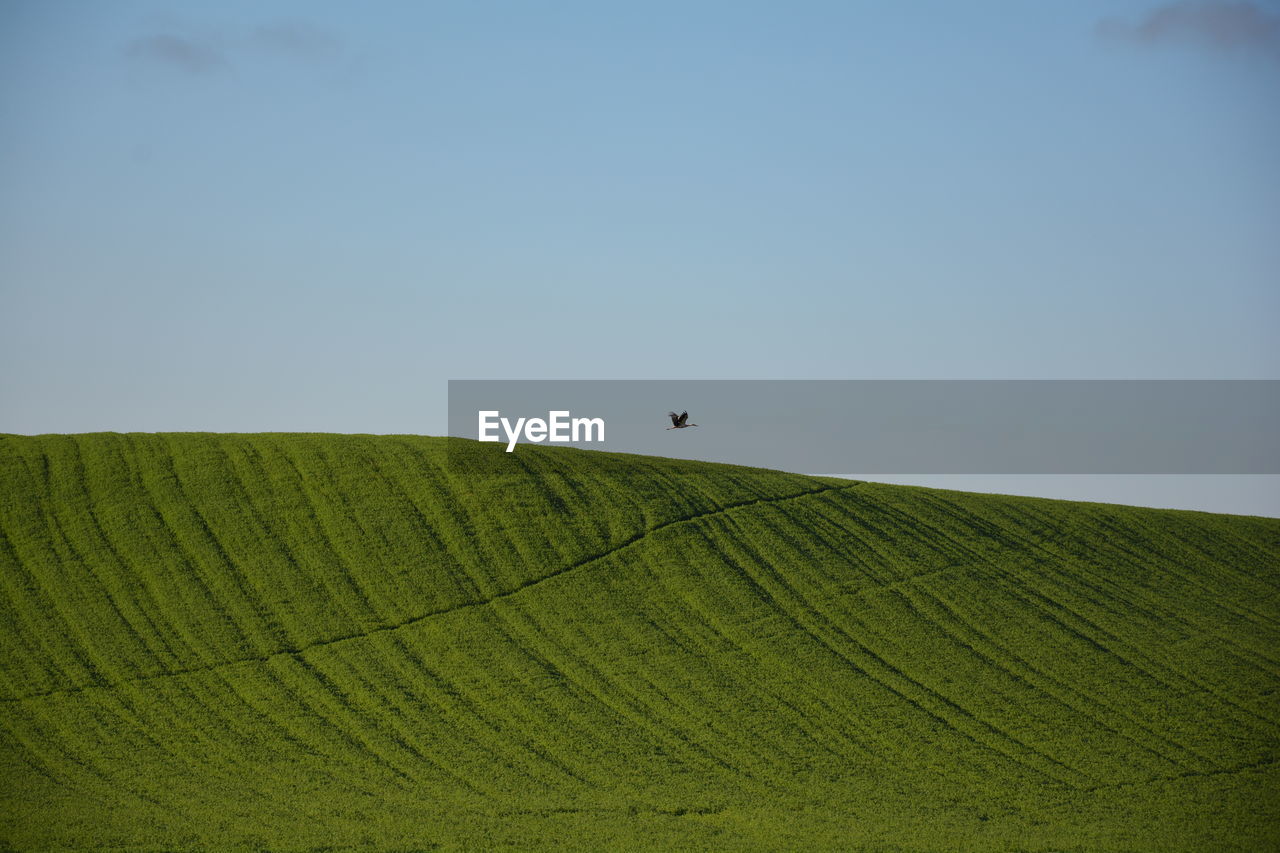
898 427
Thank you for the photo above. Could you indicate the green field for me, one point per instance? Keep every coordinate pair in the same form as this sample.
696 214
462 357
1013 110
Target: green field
293 642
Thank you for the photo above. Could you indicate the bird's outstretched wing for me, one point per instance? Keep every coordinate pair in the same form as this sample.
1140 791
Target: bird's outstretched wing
684 416
675 419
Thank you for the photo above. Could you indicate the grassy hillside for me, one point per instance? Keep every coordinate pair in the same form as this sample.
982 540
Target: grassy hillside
310 641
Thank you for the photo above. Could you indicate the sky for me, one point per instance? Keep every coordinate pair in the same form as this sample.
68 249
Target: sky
253 216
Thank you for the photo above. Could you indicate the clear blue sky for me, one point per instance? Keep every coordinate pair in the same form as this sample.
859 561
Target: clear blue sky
308 216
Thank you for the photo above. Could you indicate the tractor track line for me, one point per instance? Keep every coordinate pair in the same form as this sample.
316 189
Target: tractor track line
295 652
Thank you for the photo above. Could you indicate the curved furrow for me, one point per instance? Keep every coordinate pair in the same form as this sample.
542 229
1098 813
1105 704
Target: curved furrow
413 689
714 645
1106 551
824 625
858 652
323 557
1164 671
39 638
357 635
1038 710
945 612
239 622
1118 614
130 600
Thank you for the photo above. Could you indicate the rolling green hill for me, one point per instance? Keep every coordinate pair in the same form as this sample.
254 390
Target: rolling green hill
320 641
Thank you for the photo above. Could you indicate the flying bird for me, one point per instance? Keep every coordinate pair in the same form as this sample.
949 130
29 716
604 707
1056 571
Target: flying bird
679 421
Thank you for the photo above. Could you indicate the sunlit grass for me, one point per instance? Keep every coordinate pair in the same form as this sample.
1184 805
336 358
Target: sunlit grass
304 641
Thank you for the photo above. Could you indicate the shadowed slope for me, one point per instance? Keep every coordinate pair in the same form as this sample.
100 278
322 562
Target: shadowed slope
288 641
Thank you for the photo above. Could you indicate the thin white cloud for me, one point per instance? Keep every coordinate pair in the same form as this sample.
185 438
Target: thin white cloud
295 41
184 54
1217 25
298 40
